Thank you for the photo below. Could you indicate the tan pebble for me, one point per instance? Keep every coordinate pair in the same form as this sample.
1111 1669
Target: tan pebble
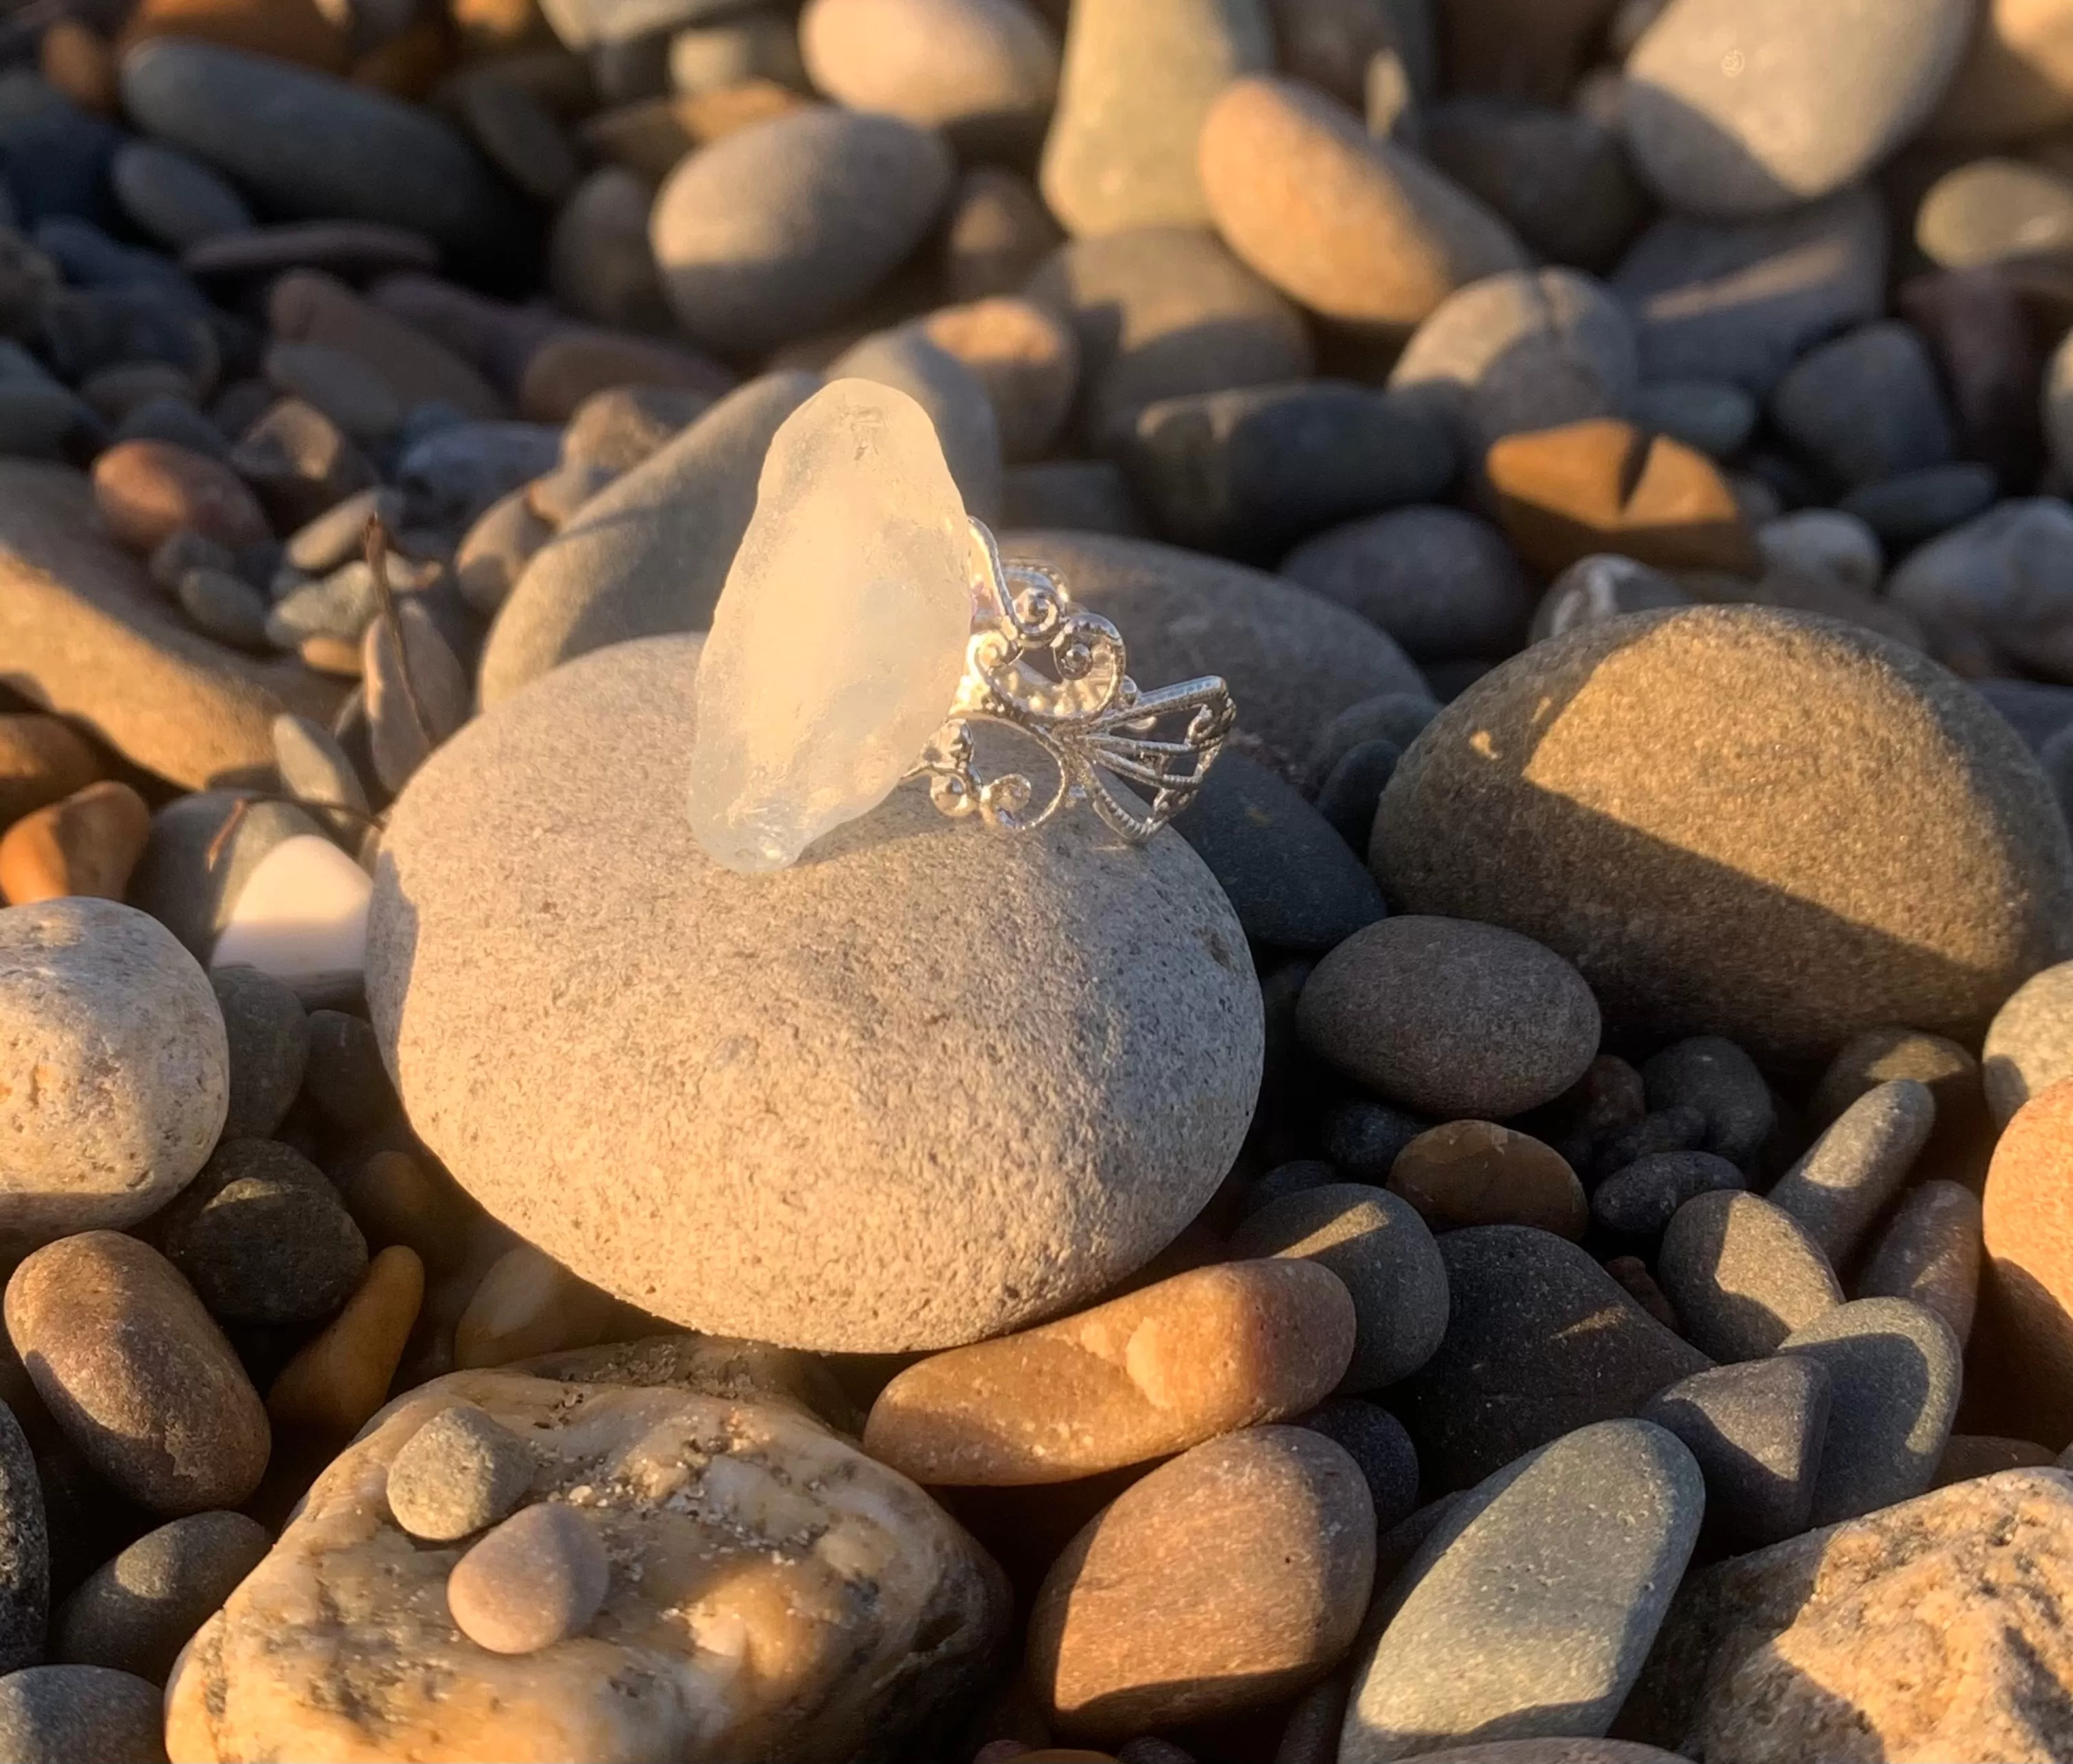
539 1577
1153 1372
328 653
462 1470
1602 485
2028 1228
306 305
42 759
1224 1582
341 1377
529 1303
87 844
76 60
650 137
137 1374
572 366
396 1198
147 491
1476 1172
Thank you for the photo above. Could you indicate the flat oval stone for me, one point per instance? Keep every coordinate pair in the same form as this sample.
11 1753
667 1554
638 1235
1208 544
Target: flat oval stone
1848 1175
538 1579
1540 1340
1893 1370
1908 874
1639 1200
136 1611
1743 1274
1476 1172
770 233
134 1369
1930 1252
801 1208
1151 1373
1378 1246
59 1714
886 1612
1450 1017
983 71
1221 1582
1360 231
1530 1609
116 1079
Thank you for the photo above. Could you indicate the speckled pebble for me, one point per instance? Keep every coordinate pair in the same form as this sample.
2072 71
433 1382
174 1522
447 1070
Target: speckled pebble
263 1237
461 1471
1849 1174
1757 1430
1639 1200
136 1611
539 1578
1743 1274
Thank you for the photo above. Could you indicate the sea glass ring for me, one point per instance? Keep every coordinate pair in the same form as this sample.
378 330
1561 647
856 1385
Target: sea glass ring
869 633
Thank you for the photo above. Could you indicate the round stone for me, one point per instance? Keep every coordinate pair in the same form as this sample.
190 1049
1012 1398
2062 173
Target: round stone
1441 582
116 1075
1743 1274
984 71
1375 1441
462 1470
1360 231
2029 1236
136 1611
61 1714
1476 1172
132 1368
263 1237
1449 1017
770 233
800 1201
1381 1248
1754 107
1802 830
2030 1044
539 1578
147 491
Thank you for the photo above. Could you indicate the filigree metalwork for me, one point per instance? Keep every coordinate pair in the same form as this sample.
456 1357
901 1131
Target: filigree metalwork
1087 713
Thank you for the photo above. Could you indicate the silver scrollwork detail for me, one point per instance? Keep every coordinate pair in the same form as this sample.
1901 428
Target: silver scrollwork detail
1090 718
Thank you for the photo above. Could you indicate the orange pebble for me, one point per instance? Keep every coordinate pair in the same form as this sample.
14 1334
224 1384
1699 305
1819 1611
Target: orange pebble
342 1377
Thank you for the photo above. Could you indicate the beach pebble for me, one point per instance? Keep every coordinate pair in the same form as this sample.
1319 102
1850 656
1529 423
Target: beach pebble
1250 470
1994 210
2029 1247
1289 876
1587 1536
772 232
1907 1633
998 232
1476 1172
263 1237
316 770
1602 585
300 462
1439 580
134 1369
1559 177
1758 1430
1989 589
25 1542
1384 1252
1376 1442
146 491
1639 1200
1165 312
1711 1074
1224 1579
2029 1043
1858 1164
1914 507
418 693
339 385
42 759
136 1611
1930 1252
1678 708
1866 406
461 1471
715 1477
1743 1274
1524 350
1138 78
87 844
1360 231
1824 542
1026 358
118 1070
341 1376
63 1714
1740 301
301 914
1716 416
1540 1340
1825 101
984 72
536 1580
173 196
1149 1373
1894 1374
1449 1017
528 1304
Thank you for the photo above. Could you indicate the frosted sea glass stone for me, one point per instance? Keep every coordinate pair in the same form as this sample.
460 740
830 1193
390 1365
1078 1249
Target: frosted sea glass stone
839 638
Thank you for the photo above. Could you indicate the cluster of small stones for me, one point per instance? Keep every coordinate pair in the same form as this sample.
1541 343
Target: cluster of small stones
1534 1226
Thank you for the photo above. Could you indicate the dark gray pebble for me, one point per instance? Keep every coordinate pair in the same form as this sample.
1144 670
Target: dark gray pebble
1290 878
1858 1165
1601 586
1639 1200
1540 1340
1757 1430
1743 1275
1682 1128
1348 797
80 1715
1894 1370
1444 584
1606 1101
263 1237
136 1611
1915 507
25 1550
1710 1074
1375 1441
1363 1137
1293 1178
346 1079
1388 716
